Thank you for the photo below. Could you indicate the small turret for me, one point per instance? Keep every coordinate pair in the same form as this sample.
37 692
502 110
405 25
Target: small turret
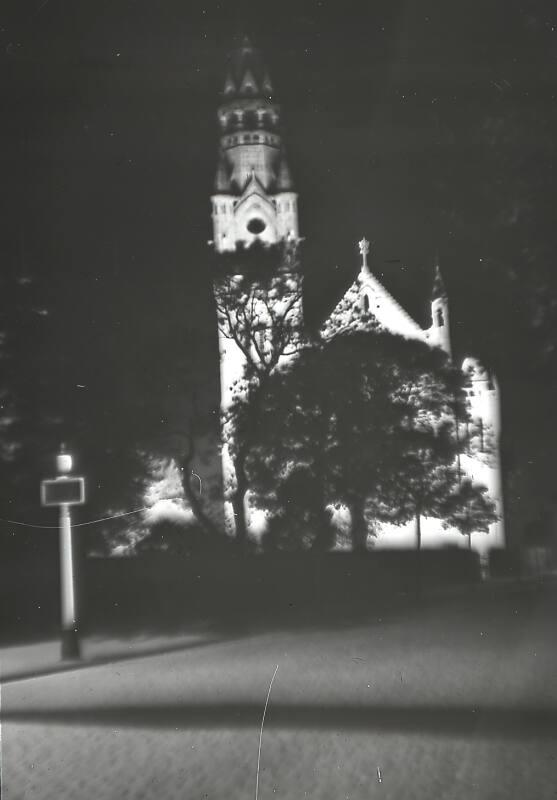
439 333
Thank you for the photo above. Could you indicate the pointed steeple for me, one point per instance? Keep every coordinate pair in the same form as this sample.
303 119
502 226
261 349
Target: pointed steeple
440 330
222 178
248 85
247 75
284 178
229 85
438 290
266 84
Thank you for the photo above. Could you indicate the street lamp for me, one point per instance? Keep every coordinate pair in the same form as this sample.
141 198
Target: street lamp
65 491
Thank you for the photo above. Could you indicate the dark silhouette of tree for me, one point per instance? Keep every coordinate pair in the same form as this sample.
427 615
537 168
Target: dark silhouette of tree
368 418
297 517
260 313
469 509
427 473
178 538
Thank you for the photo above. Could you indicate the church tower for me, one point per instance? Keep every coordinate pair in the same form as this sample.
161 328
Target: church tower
253 195
257 279
439 333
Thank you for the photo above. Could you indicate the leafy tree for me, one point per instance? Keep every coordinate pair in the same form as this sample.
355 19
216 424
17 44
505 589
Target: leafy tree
259 311
366 417
427 474
469 509
298 517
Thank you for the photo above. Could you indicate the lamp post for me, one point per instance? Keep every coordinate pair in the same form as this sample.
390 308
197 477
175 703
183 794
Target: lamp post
65 491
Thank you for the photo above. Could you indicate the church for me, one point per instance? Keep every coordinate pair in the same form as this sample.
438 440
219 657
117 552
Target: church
254 208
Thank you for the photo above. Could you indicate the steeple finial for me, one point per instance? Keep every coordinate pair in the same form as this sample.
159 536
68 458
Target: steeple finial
363 246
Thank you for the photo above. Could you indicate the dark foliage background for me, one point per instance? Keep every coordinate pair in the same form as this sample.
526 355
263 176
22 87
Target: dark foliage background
427 126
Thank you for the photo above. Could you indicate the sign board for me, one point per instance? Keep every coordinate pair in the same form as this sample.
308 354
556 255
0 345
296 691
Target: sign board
63 491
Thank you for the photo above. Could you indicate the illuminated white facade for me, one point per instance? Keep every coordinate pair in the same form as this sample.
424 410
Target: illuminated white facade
254 200
483 467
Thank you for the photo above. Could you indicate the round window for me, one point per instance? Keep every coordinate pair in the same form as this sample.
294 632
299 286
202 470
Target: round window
256 225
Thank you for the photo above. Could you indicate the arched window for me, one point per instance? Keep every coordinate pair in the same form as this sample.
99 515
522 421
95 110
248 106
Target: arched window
365 303
440 317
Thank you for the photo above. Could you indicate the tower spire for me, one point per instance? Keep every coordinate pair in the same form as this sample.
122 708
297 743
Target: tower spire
254 195
440 332
247 75
438 289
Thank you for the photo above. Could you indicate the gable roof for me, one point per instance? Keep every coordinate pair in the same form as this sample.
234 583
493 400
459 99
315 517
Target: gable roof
381 306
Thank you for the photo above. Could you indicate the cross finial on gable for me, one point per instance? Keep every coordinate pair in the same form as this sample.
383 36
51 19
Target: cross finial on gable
363 246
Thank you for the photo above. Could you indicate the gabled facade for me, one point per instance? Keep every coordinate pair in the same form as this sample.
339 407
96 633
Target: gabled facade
368 295
254 202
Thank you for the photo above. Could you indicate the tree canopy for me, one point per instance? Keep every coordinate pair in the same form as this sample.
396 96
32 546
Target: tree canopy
364 420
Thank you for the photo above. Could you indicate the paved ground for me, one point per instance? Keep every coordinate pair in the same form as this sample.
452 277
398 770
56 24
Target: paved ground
453 698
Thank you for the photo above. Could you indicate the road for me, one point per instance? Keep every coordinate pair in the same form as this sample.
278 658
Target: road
455 697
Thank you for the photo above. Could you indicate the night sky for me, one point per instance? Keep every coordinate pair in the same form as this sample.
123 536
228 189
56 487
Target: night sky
426 126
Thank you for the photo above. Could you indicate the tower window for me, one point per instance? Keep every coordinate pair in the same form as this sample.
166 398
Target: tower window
366 303
440 317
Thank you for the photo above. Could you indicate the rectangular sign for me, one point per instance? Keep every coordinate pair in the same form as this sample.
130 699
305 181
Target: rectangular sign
63 491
